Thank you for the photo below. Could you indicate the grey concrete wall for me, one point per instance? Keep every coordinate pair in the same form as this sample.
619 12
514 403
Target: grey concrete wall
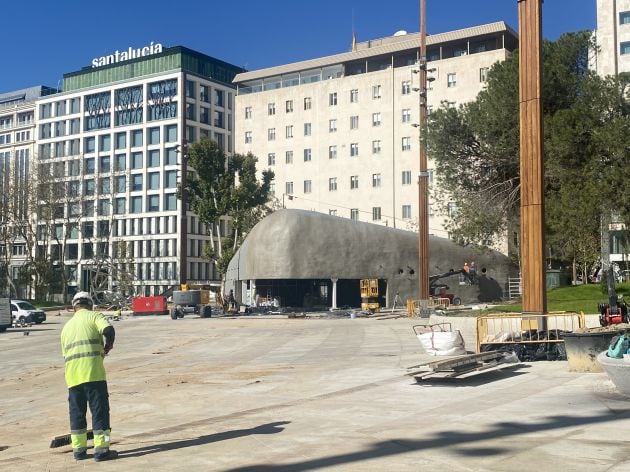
299 244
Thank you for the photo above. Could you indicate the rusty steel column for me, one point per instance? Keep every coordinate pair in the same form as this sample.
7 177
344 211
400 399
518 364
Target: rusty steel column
531 143
423 175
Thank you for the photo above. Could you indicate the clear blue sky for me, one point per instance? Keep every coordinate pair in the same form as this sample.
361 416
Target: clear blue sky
43 40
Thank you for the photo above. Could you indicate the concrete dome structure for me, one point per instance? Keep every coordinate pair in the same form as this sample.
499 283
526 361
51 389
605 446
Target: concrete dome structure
294 253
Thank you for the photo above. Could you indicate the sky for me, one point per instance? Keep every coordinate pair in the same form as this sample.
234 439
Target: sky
44 40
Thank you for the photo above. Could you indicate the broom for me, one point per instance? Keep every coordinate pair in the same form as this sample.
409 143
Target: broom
65 440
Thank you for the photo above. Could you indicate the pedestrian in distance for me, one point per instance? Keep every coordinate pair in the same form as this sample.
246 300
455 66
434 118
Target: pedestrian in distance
473 270
83 350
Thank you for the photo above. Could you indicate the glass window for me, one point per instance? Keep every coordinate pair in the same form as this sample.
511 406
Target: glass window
104 164
332 184
89 166
204 115
307 103
332 99
406 143
136 138
406 115
154 180
248 113
219 98
154 158
354 149
136 160
376 213
376 146
170 179
171 133
121 184
332 152
248 137
271 159
376 180
451 80
406 211
354 214
406 177
289 106
625 48
307 129
121 140
406 87
136 182
121 207
271 134
289 188
354 181
483 74
153 203
89 187
105 143
190 89
332 125
121 162
170 202
154 135
307 155
376 119
288 157
307 186
289 131
89 144
271 109
376 91
354 96
624 18
136 205
354 122
204 93
171 156
332 212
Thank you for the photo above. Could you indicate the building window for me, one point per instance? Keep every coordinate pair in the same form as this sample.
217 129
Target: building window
451 209
354 214
376 146
406 177
376 213
332 152
307 186
307 103
332 125
136 205
271 159
406 87
332 184
307 129
376 119
288 188
406 115
406 143
354 122
332 99
354 149
171 133
624 18
483 74
271 109
376 180
406 211
451 80
248 113
354 96
190 111
289 131
136 182
289 106
354 182
376 91
288 157
307 155
190 89
271 134
625 48
332 212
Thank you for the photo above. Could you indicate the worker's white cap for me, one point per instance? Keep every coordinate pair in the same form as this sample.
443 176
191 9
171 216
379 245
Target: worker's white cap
82 298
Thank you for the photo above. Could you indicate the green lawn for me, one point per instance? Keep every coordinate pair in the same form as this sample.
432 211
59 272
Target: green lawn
574 298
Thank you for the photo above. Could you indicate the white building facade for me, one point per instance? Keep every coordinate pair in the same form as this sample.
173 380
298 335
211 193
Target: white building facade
115 140
341 132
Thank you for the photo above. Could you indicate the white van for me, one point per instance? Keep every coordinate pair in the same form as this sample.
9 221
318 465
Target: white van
23 312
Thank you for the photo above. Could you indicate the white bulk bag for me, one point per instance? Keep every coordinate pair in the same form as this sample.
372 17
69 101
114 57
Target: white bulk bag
443 343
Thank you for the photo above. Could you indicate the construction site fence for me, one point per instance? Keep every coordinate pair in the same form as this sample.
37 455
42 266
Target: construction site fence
415 307
511 328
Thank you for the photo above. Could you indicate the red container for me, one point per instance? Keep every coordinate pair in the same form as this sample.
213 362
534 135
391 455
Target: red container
149 306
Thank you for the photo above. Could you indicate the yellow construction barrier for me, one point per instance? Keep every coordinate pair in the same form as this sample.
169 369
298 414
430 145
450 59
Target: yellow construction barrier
511 328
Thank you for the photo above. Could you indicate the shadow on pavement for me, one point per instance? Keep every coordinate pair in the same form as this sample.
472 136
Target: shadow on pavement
270 428
461 443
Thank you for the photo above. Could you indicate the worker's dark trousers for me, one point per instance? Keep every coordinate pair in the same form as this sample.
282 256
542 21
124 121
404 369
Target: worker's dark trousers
95 394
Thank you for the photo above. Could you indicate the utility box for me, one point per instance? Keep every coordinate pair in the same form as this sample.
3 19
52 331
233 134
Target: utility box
5 314
149 306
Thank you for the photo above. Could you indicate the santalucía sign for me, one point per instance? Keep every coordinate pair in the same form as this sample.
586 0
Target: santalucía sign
130 53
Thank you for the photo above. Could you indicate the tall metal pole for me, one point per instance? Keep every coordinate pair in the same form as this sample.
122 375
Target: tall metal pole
183 226
531 143
423 175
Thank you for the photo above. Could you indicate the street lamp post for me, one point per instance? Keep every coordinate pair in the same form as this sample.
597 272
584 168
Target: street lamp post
423 175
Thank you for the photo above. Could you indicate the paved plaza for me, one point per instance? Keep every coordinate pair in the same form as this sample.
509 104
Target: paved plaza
276 394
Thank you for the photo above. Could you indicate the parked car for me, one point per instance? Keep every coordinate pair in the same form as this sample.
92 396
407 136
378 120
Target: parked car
24 312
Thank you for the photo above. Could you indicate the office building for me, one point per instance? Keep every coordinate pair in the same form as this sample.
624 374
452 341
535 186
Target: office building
114 142
341 132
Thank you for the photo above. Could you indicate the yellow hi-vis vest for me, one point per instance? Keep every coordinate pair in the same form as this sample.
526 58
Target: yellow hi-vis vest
82 347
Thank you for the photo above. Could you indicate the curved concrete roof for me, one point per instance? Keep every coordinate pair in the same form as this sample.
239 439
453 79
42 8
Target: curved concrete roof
300 244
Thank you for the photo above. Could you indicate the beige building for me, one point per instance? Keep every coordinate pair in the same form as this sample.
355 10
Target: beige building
341 132
613 37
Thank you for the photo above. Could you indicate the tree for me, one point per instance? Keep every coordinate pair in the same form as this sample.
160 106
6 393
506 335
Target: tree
223 186
476 151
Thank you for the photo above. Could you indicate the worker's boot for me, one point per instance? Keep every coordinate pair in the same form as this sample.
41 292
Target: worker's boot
105 456
79 455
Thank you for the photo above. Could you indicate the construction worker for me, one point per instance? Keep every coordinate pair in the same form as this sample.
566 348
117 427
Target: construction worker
83 350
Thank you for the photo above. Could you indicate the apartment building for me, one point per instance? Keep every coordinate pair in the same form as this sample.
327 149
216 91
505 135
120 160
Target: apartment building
17 149
612 57
341 132
115 141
